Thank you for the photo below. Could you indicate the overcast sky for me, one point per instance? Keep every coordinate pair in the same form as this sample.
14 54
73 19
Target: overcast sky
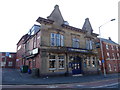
18 16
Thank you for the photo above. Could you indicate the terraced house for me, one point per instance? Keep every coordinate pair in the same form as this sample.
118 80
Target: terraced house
54 47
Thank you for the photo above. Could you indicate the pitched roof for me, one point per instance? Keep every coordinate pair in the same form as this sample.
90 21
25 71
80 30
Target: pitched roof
108 41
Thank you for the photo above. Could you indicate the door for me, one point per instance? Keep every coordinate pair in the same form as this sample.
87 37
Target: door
76 65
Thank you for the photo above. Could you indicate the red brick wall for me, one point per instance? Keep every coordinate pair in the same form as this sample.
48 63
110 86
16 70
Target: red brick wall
7 59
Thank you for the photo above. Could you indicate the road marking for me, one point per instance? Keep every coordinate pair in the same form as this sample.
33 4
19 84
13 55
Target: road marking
52 86
105 85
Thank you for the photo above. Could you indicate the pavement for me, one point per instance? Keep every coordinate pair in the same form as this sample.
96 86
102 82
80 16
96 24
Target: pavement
15 77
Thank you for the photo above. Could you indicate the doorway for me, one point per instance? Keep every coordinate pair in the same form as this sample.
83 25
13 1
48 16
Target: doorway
76 65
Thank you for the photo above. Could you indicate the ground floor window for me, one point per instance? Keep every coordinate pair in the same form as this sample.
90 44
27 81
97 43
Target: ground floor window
3 64
93 62
88 61
10 63
61 61
56 61
52 61
115 67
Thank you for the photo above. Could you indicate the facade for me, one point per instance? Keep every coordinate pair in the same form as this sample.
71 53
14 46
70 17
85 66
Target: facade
20 51
54 47
111 54
7 59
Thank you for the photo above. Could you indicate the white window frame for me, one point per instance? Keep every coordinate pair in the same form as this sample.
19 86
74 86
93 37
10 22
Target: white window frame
89 44
61 60
109 65
108 55
57 39
107 46
54 63
113 55
76 43
53 39
112 47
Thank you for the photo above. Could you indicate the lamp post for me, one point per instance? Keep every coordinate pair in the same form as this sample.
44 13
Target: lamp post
101 47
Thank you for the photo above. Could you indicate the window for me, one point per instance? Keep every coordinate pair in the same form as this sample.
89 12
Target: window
107 47
115 67
108 55
27 46
93 62
52 62
34 42
89 44
88 61
57 39
19 47
3 63
85 64
10 63
76 43
109 66
61 61
117 48
112 47
118 55
113 55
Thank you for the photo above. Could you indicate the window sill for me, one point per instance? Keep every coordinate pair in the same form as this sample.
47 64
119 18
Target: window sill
61 68
52 68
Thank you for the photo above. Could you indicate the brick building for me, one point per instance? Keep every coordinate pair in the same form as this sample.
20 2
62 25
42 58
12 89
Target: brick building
55 47
7 59
111 54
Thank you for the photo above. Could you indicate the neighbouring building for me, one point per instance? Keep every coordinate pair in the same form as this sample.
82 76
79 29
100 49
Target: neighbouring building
20 51
7 59
111 55
54 47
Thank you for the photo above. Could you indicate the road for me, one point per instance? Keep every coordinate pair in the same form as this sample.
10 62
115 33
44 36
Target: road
111 83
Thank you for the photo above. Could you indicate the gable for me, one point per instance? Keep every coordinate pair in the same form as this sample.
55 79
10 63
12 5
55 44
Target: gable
87 26
56 16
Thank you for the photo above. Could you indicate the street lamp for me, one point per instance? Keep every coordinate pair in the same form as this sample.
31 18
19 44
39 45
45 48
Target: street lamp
101 47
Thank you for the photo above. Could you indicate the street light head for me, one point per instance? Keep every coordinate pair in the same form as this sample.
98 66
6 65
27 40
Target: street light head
112 19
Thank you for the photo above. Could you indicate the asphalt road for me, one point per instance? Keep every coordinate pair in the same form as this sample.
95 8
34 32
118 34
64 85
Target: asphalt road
111 83
12 78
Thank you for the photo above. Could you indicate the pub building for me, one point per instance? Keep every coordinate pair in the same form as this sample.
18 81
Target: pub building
56 48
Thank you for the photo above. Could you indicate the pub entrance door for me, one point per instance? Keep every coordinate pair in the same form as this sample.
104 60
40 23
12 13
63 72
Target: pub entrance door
76 65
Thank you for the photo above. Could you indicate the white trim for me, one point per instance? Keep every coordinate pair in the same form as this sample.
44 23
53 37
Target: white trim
61 68
52 68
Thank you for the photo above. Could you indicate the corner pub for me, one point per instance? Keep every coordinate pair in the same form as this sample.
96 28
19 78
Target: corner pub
61 48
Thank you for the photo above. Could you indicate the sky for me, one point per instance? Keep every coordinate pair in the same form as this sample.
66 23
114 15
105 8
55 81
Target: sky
18 16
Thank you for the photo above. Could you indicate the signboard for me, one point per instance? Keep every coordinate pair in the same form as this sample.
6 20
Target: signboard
35 51
78 50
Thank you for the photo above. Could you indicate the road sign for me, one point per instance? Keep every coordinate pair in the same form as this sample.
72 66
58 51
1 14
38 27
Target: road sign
103 61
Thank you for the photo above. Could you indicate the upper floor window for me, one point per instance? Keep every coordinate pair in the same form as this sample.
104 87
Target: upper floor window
108 55
113 55
89 44
107 47
112 47
117 48
57 39
19 47
118 55
76 42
